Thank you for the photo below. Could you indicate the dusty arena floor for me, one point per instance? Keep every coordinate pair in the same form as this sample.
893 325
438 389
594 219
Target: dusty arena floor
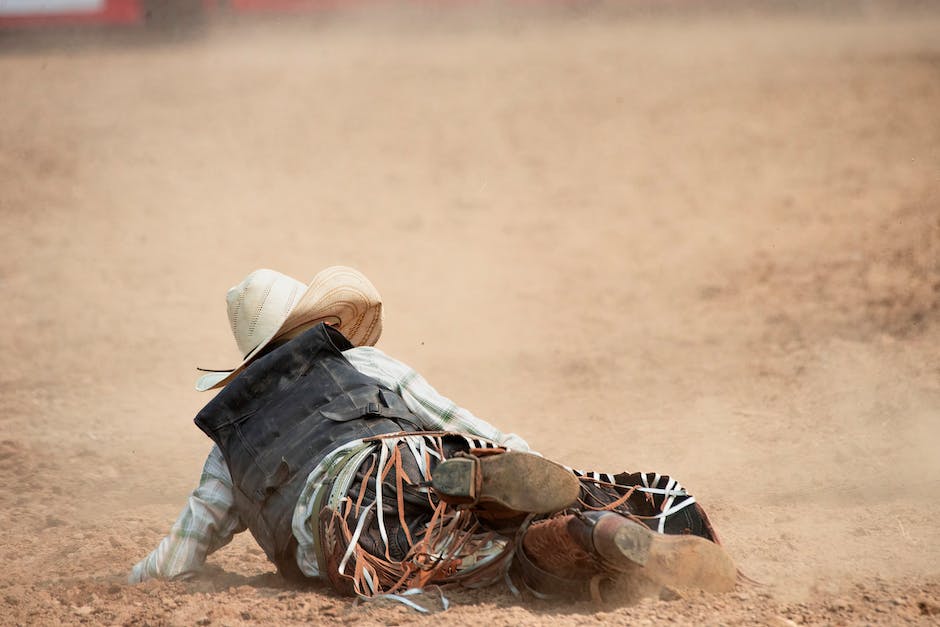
708 247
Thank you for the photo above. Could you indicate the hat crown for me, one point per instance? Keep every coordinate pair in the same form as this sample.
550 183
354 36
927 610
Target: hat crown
258 306
269 305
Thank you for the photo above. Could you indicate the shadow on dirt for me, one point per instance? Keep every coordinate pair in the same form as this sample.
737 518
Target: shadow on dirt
215 579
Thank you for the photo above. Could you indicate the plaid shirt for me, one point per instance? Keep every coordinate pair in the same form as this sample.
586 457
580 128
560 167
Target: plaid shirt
209 520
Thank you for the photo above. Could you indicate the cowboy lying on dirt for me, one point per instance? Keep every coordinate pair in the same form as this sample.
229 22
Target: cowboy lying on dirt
346 465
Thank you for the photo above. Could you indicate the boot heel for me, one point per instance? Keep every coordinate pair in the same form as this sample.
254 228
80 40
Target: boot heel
633 542
455 480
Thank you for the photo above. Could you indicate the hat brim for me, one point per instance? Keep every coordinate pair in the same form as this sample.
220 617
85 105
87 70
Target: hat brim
212 379
340 296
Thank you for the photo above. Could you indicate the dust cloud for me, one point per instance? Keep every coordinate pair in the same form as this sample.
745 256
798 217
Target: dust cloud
700 243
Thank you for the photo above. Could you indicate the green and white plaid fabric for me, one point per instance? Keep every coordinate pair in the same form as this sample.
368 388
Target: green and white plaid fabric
209 521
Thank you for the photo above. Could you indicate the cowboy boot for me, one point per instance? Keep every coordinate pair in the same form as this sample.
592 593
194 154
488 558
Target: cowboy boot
504 484
561 555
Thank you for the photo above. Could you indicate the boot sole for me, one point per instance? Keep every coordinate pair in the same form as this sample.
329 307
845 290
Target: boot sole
513 481
674 561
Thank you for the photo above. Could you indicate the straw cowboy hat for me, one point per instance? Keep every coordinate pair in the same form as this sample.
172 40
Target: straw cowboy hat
269 305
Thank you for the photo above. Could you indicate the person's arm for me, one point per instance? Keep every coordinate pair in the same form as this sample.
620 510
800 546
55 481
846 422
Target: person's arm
206 524
436 412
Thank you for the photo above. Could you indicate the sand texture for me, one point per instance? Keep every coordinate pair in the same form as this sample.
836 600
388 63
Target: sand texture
705 245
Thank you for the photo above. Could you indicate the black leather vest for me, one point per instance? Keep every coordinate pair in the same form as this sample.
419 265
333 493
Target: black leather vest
280 417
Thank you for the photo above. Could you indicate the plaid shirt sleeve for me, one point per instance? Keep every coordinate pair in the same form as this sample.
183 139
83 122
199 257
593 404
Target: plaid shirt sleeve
436 412
206 524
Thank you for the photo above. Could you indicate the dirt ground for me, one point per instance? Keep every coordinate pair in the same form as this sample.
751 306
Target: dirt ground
703 245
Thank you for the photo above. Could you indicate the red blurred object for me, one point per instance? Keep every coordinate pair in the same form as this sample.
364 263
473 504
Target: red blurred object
26 13
161 13
39 13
